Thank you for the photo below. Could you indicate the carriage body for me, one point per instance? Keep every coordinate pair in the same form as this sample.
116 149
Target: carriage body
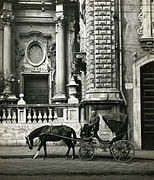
120 148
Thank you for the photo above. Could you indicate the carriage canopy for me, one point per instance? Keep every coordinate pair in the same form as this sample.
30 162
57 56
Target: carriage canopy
117 122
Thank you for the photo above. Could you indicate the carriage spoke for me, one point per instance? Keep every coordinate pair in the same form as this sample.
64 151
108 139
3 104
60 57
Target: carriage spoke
122 151
86 151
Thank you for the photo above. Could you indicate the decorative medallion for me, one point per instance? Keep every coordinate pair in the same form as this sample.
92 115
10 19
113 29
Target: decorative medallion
35 53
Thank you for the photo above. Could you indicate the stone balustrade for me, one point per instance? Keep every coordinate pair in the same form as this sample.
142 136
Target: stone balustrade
18 120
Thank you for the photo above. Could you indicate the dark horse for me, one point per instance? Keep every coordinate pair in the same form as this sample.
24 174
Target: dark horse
53 133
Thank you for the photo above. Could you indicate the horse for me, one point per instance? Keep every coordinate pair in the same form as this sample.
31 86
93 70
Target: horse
52 133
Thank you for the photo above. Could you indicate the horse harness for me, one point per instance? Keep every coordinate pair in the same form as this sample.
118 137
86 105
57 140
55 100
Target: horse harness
48 131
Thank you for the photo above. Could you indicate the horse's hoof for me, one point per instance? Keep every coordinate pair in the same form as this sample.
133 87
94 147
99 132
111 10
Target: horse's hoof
73 157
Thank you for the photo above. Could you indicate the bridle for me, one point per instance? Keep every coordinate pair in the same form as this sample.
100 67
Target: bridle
29 142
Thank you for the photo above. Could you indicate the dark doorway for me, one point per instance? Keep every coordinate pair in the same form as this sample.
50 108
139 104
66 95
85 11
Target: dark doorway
147 106
36 89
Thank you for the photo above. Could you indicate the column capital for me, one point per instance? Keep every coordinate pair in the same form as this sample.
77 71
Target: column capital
59 19
7 17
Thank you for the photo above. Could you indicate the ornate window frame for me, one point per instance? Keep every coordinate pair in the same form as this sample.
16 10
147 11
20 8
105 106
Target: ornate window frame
31 44
145 26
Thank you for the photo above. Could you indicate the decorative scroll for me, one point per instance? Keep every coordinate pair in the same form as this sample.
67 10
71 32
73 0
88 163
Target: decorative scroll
140 17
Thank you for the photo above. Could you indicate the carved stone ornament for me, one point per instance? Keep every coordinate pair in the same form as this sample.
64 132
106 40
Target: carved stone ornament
83 12
79 62
140 18
59 19
19 51
35 53
7 17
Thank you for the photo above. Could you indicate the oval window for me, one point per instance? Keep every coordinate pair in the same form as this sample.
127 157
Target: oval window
35 53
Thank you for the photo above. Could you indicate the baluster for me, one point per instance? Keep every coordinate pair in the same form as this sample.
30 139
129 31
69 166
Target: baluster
9 116
44 116
29 117
4 116
14 117
39 117
55 114
50 116
34 116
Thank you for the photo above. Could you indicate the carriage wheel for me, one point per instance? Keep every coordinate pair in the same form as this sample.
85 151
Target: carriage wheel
86 151
122 151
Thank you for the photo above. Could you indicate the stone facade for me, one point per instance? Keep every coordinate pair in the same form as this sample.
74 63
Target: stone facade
117 48
105 44
100 48
99 40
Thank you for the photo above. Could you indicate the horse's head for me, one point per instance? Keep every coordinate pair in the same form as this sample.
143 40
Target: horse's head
29 142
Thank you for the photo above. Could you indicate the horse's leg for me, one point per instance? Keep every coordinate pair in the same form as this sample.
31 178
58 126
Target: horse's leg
73 151
45 150
68 145
68 151
37 153
71 144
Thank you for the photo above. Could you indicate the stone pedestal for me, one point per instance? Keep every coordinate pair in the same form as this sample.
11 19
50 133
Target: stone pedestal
72 92
21 109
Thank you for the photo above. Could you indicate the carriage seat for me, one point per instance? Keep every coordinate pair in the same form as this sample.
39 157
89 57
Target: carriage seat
86 133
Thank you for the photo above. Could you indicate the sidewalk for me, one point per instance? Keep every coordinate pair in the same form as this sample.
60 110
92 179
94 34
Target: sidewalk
60 151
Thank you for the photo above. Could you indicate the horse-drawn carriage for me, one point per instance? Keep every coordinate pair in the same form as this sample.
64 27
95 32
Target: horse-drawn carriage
121 150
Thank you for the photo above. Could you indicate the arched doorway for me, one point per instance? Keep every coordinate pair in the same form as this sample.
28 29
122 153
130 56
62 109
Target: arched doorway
147 105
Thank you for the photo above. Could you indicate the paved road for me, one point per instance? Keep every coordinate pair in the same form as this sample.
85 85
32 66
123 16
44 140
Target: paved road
16 163
78 177
61 166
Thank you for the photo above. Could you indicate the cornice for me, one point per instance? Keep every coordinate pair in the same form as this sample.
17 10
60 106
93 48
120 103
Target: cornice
35 33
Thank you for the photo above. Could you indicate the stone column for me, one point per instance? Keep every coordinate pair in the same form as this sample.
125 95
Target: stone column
70 41
60 55
7 18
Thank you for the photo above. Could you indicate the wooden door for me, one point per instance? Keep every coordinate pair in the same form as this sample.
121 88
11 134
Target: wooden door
147 106
36 89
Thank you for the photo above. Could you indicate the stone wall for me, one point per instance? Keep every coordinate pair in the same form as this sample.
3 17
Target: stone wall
131 49
14 134
98 40
14 129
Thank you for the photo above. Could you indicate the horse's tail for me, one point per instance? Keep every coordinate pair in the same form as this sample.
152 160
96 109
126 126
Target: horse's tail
74 136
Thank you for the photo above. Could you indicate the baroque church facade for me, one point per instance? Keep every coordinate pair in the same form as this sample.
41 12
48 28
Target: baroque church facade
84 54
